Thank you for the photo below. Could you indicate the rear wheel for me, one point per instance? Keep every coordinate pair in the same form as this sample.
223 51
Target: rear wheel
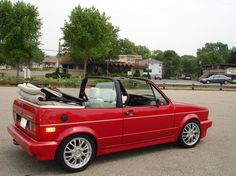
190 134
76 152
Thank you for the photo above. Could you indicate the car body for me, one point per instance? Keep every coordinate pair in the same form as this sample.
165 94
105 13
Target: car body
234 81
222 79
187 76
115 114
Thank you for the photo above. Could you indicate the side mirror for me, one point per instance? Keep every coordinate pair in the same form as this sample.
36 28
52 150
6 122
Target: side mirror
159 103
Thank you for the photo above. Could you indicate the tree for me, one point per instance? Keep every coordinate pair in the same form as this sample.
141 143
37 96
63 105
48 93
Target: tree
232 58
157 54
213 53
88 34
126 46
38 55
19 32
171 64
115 50
189 64
143 51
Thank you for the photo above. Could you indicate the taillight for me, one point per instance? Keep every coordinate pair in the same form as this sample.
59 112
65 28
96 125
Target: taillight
34 128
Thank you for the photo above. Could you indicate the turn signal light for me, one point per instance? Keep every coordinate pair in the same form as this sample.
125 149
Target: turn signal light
50 129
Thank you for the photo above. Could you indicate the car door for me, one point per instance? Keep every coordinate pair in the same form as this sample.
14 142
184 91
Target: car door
148 122
102 112
216 79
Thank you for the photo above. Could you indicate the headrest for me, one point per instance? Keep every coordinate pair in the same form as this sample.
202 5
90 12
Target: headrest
108 95
95 93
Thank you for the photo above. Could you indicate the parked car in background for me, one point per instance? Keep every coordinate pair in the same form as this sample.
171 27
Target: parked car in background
222 79
187 76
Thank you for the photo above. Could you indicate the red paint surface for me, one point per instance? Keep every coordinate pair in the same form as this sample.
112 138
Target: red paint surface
112 128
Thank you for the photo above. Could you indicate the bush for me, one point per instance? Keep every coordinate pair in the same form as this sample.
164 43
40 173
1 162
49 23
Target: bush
136 73
57 74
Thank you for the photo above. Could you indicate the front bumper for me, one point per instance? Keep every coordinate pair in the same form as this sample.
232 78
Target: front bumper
41 150
204 126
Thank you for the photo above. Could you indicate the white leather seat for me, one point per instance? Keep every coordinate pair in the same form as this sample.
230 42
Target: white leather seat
95 99
108 97
101 98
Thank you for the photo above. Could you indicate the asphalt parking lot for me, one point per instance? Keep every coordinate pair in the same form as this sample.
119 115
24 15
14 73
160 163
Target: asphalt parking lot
214 155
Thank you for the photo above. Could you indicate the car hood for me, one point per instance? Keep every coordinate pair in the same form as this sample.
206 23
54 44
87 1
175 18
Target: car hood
184 107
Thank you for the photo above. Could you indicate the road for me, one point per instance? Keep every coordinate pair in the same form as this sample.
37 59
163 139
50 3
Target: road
215 155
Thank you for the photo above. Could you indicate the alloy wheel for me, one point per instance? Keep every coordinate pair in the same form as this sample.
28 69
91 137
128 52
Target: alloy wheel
191 133
77 152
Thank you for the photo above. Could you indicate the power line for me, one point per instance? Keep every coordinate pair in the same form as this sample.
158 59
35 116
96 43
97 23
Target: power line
49 50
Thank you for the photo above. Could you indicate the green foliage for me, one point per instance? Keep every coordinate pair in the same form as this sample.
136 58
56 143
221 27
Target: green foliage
136 73
189 64
143 51
213 53
157 54
38 55
232 58
57 74
39 79
126 47
172 66
88 34
114 50
19 32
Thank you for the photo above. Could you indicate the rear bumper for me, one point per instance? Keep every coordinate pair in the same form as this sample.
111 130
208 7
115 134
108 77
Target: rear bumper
204 126
41 150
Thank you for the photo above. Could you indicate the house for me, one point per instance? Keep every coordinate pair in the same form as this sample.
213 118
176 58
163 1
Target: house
219 69
36 65
124 65
130 59
154 67
51 62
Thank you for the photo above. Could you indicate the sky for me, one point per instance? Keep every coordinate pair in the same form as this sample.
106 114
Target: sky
180 25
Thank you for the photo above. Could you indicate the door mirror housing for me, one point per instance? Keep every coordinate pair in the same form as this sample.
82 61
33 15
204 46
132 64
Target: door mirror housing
159 102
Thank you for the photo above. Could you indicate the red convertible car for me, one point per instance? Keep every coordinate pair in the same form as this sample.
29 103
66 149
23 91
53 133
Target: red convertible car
108 115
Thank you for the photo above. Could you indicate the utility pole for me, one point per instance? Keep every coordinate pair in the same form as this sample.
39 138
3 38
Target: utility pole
59 52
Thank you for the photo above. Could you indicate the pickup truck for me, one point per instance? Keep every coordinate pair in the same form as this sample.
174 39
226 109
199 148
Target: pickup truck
108 115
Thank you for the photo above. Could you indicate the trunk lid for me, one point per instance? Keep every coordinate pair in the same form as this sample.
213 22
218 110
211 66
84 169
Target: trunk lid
24 114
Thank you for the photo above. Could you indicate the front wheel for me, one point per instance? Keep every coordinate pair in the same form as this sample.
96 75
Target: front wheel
76 152
225 82
190 134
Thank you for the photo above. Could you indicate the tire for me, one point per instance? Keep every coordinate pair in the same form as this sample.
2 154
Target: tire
188 138
74 149
208 82
226 82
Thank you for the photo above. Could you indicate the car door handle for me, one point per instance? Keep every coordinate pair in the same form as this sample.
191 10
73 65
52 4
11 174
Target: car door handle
130 112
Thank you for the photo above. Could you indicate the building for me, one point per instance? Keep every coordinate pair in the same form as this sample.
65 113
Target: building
124 65
130 59
51 62
154 67
216 69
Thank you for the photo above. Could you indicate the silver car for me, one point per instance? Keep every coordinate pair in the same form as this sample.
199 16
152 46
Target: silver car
222 79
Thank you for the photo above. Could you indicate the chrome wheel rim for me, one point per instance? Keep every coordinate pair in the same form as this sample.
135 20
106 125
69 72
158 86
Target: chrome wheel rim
77 152
191 133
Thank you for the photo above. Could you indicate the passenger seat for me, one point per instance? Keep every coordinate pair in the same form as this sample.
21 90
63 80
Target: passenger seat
95 99
108 97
